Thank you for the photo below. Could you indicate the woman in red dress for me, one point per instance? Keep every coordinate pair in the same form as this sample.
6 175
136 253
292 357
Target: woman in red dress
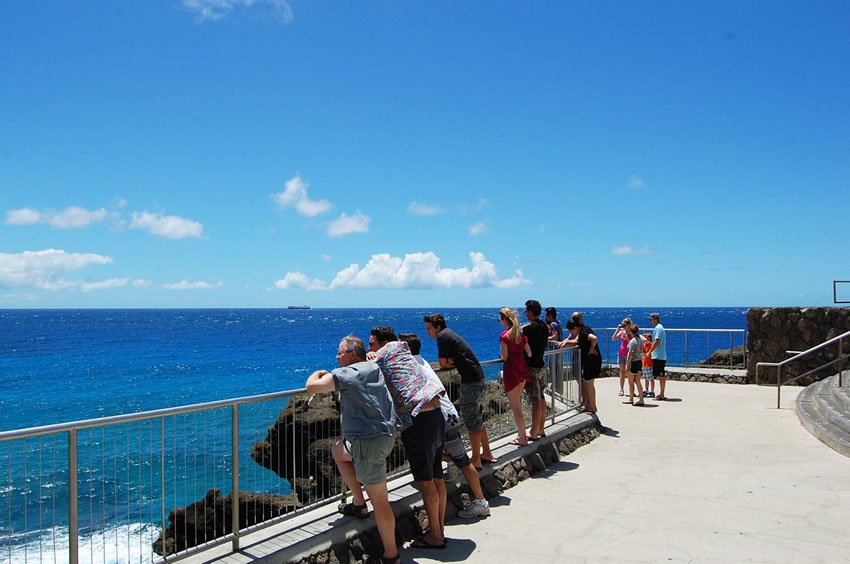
514 348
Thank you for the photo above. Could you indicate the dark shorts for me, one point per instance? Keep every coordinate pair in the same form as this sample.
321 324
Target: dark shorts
635 367
535 390
455 448
423 443
658 367
592 368
471 405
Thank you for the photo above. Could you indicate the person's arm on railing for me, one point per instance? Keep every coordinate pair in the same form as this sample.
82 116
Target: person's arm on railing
320 381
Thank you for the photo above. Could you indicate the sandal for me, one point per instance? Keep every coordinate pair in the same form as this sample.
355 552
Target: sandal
354 510
621 393
516 442
422 543
489 460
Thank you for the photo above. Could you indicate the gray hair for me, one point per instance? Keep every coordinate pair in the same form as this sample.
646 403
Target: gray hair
355 344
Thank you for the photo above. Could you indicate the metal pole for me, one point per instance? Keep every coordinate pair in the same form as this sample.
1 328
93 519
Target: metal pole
686 349
234 487
840 362
162 475
731 345
73 532
778 384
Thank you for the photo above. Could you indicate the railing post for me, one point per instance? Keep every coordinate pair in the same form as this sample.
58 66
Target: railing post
234 486
162 473
686 349
778 384
840 362
731 352
73 532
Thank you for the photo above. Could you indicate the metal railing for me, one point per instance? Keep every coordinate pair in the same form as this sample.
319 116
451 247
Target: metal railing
686 347
144 487
841 342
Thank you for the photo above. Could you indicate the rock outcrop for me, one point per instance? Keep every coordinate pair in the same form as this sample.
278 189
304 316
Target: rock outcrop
211 517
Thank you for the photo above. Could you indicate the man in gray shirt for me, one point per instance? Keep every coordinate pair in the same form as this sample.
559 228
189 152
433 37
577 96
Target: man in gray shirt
368 423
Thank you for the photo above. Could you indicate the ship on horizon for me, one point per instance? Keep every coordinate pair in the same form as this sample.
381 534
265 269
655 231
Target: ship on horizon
299 307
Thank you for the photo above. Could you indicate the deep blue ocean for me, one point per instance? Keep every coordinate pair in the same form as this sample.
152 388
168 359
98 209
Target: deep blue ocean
65 365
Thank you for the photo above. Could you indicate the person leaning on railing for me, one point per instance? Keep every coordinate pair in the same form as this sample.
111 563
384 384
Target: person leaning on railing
368 423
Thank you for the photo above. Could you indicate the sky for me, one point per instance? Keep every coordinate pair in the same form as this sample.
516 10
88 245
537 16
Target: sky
266 153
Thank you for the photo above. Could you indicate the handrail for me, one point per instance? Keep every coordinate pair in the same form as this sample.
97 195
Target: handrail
609 332
779 365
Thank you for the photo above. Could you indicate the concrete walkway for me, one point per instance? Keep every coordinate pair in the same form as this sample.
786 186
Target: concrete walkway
715 474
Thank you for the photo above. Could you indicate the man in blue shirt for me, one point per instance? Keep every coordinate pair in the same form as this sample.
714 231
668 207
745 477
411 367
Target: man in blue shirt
659 353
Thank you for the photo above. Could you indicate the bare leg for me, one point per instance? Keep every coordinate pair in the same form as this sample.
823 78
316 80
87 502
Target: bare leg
622 377
590 392
538 417
431 500
485 445
635 382
441 490
474 482
384 517
515 401
346 470
662 382
475 440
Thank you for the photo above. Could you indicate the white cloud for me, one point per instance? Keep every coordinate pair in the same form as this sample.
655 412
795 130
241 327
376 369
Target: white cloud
422 270
620 250
478 229
299 280
326 257
44 269
415 270
213 10
104 284
186 285
347 224
295 195
421 208
23 216
168 226
636 182
69 218
141 283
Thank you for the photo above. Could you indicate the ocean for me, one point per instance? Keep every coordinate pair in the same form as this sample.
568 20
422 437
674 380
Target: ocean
65 365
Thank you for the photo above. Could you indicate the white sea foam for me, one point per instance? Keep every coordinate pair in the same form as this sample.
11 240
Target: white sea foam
115 545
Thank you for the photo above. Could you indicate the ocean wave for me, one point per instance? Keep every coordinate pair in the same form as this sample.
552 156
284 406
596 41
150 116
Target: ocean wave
115 545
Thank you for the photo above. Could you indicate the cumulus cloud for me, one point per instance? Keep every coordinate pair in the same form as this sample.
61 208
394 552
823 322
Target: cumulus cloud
478 229
69 218
636 182
415 270
186 285
212 10
44 269
421 208
299 280
620 250
295 195
347 224
168 226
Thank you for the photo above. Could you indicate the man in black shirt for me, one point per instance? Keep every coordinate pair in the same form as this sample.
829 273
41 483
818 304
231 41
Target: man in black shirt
454 352
538 340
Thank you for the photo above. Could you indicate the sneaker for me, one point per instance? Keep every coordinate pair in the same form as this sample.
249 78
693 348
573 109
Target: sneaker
651 395
645 394
478 508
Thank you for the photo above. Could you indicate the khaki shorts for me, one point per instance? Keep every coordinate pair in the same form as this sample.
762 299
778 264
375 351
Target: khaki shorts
369 455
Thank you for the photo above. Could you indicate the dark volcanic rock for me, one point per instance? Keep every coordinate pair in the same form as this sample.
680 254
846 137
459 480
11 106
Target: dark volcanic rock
211 517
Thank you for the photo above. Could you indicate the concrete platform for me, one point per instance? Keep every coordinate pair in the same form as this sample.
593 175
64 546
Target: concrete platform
715 474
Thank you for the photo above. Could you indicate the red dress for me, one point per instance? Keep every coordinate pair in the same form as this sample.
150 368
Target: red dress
515 369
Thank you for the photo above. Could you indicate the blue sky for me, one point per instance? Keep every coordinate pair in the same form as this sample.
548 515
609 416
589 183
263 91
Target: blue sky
250 153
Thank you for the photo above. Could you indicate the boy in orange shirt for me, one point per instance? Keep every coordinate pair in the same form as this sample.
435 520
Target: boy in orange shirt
648 378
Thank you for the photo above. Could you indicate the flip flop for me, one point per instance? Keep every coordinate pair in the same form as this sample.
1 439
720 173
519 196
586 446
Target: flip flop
516 442
422 543
489 460
354 510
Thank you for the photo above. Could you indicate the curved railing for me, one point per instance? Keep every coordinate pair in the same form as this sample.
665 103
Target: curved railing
105 489
842 342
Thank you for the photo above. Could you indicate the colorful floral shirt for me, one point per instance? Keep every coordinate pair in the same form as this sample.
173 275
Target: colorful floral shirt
408 384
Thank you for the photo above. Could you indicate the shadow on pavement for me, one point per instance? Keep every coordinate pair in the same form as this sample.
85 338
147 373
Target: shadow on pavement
457 550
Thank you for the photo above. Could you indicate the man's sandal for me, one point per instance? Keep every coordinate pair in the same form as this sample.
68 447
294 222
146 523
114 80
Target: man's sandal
354 510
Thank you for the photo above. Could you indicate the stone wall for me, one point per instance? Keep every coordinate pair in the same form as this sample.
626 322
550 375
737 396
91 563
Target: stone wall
773 331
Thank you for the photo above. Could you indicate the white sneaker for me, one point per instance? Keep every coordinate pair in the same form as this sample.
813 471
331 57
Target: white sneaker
478 508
